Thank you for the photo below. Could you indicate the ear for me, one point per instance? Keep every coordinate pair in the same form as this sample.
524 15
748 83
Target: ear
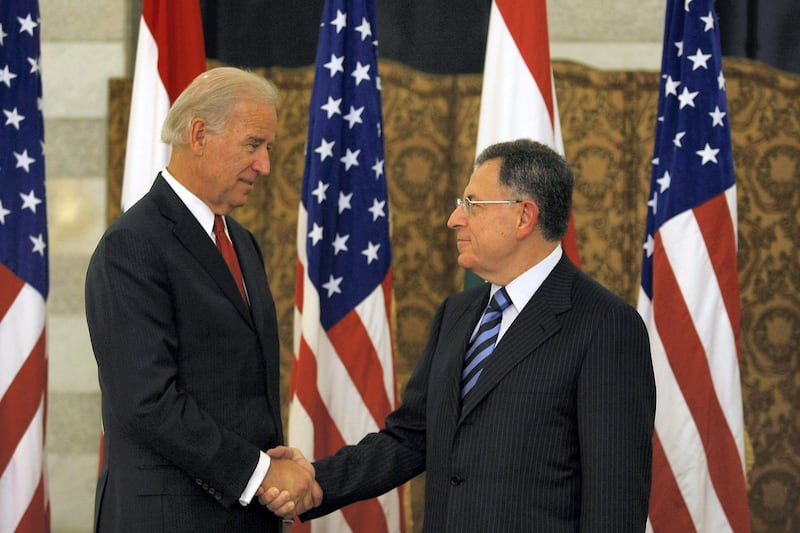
528 218
198 135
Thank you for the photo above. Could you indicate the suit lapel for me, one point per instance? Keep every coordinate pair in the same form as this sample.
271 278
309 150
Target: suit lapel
192 236
536 323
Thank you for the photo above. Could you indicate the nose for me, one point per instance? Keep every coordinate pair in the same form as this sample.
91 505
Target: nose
457 218
262 164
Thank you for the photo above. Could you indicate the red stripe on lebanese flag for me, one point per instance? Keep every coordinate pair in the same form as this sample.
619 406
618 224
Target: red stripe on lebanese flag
518 98
170 53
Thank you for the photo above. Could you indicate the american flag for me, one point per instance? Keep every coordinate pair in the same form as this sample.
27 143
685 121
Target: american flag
24 505
690 293
342 380
518 97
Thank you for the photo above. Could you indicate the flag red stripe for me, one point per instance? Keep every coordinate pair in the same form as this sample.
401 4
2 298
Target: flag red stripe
668 510
533 43
716 225
173 28
21 401
327 438
688 362
362 364
10 285
37 516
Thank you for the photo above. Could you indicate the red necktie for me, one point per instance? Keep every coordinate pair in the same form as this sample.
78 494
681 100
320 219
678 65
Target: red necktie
229 254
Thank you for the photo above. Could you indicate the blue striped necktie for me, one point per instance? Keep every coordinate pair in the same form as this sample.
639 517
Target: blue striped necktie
483 343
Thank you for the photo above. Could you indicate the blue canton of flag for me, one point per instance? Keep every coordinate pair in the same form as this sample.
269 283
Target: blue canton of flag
692 160
23 221
344 186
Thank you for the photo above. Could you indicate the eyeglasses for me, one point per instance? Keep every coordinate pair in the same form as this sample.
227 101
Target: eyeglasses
467 203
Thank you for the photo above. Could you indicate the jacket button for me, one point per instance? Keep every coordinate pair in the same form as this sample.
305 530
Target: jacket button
455 481
198 481
218 496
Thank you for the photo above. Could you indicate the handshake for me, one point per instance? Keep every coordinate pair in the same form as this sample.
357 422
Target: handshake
289 488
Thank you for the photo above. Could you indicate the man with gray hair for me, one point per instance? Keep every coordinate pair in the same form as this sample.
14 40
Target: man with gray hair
184 331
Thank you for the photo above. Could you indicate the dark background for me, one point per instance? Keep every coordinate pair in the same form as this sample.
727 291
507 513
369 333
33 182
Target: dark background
449 36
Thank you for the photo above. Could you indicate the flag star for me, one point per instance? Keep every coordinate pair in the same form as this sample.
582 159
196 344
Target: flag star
686 5
336 64
315 234
3 213
350 159
361 72
353 117
721 81
664 181
377 209
687 97
378 82
699 59
340 244
27 24
716 117
6 76
709 20
649 245
678 138
332 106
34 65
378 168
340 21
671 86
38 244
708 154
325 149
679 46
29 201
344 201
24 161
364 29
13 118
654 203
3 35
320 192
656 161
332 286
371 252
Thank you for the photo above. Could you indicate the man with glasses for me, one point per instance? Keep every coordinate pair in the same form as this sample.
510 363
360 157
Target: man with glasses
534 412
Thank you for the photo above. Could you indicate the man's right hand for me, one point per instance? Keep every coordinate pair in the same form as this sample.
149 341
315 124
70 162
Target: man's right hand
294 476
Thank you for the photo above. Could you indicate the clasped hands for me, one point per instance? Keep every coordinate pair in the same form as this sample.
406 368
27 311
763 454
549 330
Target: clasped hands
289 488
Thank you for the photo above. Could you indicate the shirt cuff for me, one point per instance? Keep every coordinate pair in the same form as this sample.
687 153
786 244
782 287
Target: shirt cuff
255 480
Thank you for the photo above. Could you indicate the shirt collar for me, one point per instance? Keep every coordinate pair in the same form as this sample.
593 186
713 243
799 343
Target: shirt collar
196 206
522 288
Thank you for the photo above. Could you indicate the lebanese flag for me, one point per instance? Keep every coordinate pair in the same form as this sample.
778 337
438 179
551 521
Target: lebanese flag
518 97
170 53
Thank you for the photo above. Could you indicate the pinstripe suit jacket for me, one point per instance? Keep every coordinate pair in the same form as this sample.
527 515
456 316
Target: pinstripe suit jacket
555 436
189 375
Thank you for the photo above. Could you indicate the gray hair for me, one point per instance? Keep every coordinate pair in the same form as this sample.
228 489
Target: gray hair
212 95
536 171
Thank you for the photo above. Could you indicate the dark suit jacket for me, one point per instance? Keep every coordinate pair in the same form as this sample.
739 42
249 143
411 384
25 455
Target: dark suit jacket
555 436
189 375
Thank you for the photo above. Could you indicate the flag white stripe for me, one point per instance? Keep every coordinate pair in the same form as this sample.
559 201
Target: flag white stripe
681 441
697 280
20 329
145 153
23 473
